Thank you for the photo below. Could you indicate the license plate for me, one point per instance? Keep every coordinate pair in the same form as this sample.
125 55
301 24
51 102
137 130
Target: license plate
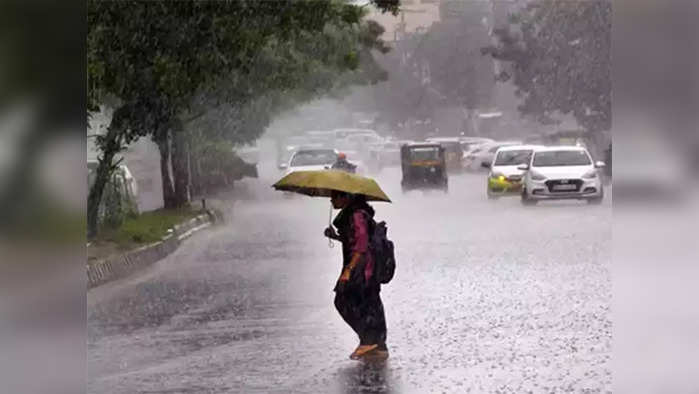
564 187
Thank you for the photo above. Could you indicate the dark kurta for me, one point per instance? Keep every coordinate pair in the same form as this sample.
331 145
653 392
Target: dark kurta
358 301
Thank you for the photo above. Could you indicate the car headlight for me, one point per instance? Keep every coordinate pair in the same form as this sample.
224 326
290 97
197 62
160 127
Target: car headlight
592 174
536 176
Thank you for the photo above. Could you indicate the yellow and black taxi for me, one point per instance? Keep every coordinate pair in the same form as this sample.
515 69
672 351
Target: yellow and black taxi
505 178
424 167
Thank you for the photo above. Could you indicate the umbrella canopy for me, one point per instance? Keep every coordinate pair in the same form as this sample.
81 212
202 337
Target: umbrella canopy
322 183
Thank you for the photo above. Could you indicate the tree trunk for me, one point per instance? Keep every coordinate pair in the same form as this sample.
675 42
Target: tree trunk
196 175
180 169
168 191
104 172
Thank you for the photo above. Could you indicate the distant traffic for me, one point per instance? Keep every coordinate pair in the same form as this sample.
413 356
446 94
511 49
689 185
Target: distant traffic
534 172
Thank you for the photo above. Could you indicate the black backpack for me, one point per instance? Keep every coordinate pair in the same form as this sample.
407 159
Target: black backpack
382 250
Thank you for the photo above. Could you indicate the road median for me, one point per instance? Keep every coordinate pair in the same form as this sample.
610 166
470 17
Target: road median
103 268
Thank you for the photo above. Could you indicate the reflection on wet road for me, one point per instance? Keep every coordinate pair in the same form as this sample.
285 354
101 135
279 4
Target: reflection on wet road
489 296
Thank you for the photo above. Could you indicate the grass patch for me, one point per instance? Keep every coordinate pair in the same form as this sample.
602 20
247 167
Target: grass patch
143 229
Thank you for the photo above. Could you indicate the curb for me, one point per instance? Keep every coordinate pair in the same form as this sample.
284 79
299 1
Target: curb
120 266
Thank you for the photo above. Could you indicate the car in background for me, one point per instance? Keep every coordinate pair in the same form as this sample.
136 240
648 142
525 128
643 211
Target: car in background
481 157
324 138
294 144
344 133
562 172
287 149
453 151
469 143
505 178
121 191
359 142
363 139
386 154
311 159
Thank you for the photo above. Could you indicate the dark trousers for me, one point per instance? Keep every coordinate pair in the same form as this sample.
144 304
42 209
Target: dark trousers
363 311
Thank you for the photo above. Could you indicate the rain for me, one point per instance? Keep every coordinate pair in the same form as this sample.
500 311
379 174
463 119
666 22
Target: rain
486 123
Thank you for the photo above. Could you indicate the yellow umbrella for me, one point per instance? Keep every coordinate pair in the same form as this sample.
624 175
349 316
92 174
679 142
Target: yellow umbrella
322 183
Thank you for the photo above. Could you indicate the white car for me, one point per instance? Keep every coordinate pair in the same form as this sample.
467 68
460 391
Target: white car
344 133
481 156
469 143
122 185
311 159
386 154
505 176
359 144
562 172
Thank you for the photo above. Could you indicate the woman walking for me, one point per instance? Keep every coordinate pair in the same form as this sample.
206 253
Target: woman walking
357 291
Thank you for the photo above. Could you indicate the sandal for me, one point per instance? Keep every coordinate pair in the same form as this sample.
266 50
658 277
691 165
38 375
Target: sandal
377 354
362 350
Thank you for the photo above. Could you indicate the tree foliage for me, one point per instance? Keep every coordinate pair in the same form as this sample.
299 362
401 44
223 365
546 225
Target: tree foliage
322 64
559 60
170 62
438 67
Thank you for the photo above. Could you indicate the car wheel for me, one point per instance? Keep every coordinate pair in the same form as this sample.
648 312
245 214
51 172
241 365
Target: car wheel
526 200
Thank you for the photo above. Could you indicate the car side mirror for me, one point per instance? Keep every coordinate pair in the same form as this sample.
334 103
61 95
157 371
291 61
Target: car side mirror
283 166
485 164
523 167
600 164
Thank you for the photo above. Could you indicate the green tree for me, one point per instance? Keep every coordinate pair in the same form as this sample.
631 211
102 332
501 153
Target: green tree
558 56
438 67
160 57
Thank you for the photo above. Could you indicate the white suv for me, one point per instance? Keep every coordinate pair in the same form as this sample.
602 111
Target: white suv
562 172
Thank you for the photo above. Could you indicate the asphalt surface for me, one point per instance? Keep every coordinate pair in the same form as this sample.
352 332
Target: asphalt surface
489 296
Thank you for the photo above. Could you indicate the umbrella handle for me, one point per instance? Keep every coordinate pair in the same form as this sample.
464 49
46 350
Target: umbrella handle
330 218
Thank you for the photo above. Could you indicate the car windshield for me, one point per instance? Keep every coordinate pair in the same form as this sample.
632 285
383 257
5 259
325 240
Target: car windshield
513 157
424 154
561 158
313 158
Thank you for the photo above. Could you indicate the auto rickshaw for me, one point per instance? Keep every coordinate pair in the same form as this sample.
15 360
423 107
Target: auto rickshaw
424 167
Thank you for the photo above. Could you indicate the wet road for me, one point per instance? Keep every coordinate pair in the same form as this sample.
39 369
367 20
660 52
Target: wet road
489 296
